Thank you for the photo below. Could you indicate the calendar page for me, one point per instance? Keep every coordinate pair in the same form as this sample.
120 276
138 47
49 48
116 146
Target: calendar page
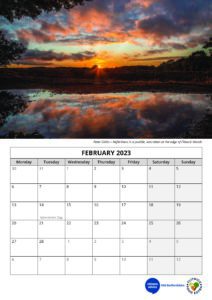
107 218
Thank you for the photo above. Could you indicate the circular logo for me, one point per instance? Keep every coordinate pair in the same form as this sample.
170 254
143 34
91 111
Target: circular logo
152 285
194 286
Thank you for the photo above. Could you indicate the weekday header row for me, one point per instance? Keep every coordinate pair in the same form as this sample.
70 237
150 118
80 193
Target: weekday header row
106 162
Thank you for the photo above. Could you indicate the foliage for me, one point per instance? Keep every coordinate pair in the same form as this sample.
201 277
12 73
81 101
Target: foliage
16 9
199 61
9 50
208 44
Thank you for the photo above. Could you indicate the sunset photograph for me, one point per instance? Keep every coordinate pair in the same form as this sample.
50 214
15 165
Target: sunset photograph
106 69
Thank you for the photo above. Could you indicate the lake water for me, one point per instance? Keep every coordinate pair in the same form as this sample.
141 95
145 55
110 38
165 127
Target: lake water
108 115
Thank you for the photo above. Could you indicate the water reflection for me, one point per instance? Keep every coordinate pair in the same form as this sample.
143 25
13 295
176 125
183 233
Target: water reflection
112 115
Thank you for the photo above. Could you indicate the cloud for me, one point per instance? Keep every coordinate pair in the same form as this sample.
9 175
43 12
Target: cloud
33 57
157 58
155 51
168 18
54 28
87 39
34 35
166 24
160 26
176 46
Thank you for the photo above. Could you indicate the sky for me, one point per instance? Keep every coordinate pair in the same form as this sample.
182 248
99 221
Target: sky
113 33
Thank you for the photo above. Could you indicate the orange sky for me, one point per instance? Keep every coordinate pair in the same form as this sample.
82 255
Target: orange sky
111 33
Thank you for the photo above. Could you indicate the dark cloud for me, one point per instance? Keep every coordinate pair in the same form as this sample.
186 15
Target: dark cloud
155 51
159 58
177 46
56 26
160 26
34 35
33 56
87 39
167 18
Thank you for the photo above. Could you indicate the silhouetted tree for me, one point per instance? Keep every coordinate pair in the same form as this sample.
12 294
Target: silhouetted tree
16 9
9 50
208 46
199 54
10 105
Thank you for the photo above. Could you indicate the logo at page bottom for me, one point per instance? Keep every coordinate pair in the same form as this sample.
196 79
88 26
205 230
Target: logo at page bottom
194 286
152 285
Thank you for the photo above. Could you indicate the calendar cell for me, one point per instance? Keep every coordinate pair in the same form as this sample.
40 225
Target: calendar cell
53 174
23 247
188 229
51 211
78 174
79 265
134 211
188 174
134 247
161 247
161 210
24 229
188 247
51 192
78 229
161 229
78 193
133 229
106 193
23 193
134 265
79 247
24 211
188 211
133 192
133 174
51 265
51 247
23 265
51 229
105 229
23 174
106 210
106 265
188 193
106 247
157 174
78 210
161 265
188 265
105 174
161 192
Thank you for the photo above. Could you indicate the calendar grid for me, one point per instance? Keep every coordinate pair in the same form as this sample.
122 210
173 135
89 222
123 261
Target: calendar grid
120 201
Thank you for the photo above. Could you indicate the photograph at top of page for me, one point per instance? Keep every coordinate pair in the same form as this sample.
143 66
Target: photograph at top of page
105 69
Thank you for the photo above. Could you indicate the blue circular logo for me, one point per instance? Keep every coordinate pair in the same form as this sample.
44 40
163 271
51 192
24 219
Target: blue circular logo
152 285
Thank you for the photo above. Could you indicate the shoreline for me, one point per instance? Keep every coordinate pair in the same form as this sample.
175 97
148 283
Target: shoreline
97 87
